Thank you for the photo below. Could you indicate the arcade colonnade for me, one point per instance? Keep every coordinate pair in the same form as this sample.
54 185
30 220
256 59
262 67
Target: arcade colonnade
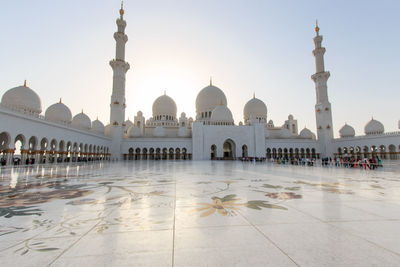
158 153
30 149
382 151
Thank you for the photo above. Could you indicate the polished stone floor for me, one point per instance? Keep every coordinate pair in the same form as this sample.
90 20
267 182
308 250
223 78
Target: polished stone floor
199 214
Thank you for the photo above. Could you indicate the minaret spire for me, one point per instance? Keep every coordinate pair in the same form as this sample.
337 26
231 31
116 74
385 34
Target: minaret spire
323 111
121 11
120 67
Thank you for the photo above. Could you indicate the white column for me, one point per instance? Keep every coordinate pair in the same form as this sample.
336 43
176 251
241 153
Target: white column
323 111
120 67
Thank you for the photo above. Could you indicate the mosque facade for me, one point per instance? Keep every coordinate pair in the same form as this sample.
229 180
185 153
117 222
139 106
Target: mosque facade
56 136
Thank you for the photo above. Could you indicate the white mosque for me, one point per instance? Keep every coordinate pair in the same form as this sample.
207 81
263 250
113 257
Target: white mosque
56 136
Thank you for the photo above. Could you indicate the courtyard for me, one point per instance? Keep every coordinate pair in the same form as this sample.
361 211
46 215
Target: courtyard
205 213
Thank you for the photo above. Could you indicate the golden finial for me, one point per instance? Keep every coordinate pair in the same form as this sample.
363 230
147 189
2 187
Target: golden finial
210 81
60 100
165 92
82 111
121 11
254 94
25 83
316 27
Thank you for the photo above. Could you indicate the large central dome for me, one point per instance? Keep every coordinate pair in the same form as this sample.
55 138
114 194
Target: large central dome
208 99
164 106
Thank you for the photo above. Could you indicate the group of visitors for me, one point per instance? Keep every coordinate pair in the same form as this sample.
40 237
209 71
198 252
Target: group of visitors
365 163
346 162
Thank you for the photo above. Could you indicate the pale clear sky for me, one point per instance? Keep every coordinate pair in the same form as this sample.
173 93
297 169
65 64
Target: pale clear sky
63 48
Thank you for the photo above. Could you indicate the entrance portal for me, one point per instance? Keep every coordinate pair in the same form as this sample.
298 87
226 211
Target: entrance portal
229 149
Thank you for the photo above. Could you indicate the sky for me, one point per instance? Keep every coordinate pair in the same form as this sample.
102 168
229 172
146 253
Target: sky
63 49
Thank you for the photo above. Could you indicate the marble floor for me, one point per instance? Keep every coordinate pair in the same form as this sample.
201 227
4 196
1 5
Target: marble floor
187 213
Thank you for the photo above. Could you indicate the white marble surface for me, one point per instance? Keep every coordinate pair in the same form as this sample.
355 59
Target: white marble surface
187 213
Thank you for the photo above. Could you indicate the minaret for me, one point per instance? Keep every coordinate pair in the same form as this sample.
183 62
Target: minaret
323 111
120 67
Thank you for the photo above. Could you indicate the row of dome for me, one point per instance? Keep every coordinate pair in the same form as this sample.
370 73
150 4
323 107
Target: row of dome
25 100
372 127
211 104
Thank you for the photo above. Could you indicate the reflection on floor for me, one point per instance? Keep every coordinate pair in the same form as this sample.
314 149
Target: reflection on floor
198 214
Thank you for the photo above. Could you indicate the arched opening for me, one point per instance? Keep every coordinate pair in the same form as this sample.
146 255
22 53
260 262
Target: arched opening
178 153
137 154
285 153
151 153
313 153
358 152
351 151
382 152
144 153
5 140
171 153
268 153
164 153
374 151
53 151
296 153
76 152
274 155
302 154
43 150
291 153
69 151
392 152
339 150
130 153
229 149
19 152
308 154
184 153
213 152
280 153
61 151
158 153
366 151
345 152
244 151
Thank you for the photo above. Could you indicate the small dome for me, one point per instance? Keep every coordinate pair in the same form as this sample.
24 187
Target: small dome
209 98
139 114
127 124
98 126
347 131
307 134
159 131
221 114
374 127
183 132
23 99
82 121
290 117
134 131
284 133
164 106
256 108
58 112
107 130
